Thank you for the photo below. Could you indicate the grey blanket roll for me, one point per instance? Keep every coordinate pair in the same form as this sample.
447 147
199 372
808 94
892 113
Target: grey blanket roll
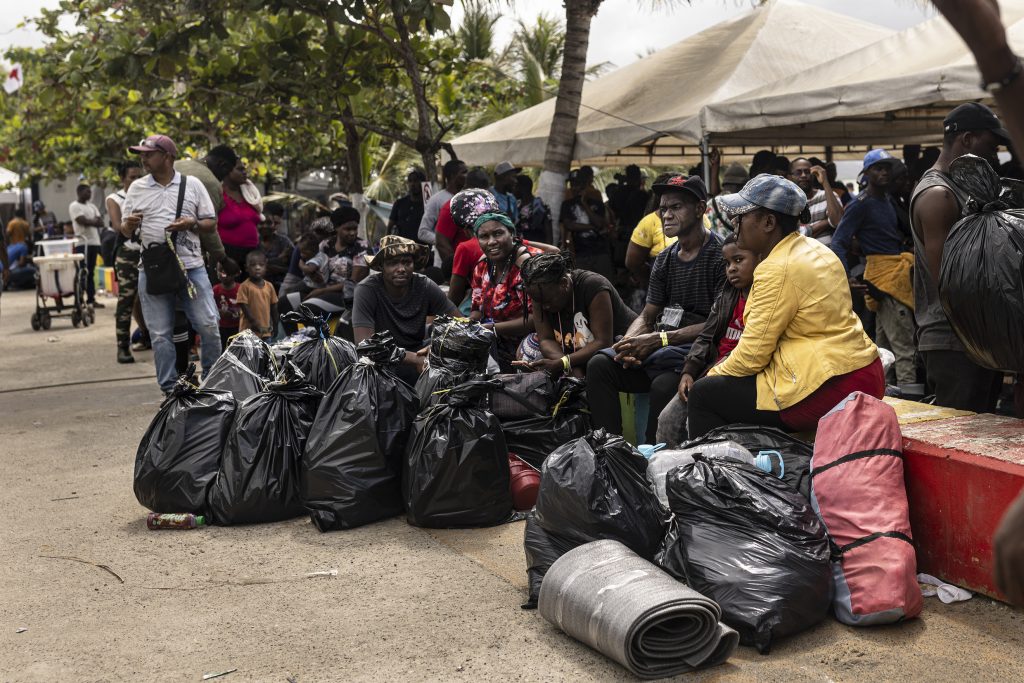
618 603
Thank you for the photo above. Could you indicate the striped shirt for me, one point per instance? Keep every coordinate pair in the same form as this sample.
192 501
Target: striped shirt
818 207
694 284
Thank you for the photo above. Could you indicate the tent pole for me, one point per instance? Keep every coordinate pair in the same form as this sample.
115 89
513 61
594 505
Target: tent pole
705 161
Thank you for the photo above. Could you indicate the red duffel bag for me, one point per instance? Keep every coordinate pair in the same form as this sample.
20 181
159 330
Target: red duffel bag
858 491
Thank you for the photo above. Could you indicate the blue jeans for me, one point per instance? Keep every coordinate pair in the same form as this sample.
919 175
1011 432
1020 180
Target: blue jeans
158 311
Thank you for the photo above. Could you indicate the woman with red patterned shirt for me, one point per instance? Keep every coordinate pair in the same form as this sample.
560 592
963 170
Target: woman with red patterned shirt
499 296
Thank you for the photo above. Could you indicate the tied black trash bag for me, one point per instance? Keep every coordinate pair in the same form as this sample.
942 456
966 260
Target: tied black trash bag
981 283
542 549
180 452
456 470
459 349
258 479
352 466
322 358
591 489
795 468
233 376
746 540
568 418
254 353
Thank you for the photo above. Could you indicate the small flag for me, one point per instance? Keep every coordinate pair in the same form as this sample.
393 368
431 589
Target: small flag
14 78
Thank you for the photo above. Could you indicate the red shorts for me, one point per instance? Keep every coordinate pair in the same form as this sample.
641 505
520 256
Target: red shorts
804 416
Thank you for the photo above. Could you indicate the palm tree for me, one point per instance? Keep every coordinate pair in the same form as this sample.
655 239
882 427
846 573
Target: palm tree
558 155
538 51
476 33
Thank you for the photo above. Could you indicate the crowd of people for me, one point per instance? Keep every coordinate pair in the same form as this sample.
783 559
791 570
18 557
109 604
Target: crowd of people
758 299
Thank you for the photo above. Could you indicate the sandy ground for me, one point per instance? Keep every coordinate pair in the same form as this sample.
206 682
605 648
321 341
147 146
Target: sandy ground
406 604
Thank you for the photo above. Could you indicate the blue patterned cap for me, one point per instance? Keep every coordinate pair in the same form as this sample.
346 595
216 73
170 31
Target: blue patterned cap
765 191
877 156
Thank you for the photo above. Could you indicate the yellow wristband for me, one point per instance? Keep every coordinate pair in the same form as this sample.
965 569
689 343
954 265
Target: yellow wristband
566 364
664 339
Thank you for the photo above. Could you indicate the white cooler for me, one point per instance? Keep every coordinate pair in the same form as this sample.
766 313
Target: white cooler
57 273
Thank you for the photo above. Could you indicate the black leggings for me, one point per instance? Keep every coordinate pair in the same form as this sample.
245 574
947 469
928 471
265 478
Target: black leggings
606 378
719 401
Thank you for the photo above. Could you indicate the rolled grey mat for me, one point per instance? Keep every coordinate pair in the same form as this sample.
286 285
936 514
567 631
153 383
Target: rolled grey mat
618 603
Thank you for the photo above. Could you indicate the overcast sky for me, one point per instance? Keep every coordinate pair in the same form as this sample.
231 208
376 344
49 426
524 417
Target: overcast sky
621 29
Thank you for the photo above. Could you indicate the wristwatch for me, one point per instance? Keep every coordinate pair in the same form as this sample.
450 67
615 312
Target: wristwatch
993 87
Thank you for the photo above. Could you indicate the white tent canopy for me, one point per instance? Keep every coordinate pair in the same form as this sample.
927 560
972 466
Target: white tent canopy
9 194
644 105
894 91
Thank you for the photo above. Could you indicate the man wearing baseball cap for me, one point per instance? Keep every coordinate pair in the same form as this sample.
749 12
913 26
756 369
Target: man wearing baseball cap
871 218
685 279
935 206
151 207
504 188
803 349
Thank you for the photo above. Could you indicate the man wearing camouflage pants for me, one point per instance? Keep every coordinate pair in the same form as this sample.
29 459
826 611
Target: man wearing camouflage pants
126 264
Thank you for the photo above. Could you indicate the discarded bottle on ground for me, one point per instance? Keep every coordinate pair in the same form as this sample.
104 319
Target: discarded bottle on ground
163 520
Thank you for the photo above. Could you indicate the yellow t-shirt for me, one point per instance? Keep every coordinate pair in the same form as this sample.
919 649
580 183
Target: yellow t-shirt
649 235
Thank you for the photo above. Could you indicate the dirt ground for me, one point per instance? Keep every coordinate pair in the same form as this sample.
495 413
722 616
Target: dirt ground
104 599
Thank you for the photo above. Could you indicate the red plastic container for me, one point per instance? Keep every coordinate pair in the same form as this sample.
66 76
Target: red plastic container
525 483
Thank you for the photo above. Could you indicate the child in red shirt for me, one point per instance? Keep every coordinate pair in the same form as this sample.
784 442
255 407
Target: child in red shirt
724 325
225 293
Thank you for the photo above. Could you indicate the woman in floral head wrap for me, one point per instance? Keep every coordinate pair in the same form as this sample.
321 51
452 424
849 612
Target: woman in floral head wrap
498 295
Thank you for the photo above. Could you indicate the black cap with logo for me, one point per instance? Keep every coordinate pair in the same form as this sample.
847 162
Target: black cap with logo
974 116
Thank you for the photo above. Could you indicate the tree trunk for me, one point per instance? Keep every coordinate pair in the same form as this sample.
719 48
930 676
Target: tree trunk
425 143
355 167
562 138
353 158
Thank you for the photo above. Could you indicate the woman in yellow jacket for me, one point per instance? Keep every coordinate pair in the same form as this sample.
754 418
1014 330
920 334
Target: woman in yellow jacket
802 349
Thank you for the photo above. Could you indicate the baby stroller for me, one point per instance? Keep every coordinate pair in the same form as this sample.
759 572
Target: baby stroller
62 274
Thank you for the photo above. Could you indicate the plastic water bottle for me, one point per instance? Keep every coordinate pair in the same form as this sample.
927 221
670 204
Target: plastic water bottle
729 450
659 466
159 520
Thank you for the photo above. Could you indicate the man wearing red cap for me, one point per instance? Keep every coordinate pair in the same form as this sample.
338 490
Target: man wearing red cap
151 207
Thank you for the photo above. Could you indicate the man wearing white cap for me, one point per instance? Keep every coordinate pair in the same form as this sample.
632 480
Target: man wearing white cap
504 188
165 207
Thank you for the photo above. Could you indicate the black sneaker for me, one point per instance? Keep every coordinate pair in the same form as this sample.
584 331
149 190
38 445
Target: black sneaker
124 355
96 304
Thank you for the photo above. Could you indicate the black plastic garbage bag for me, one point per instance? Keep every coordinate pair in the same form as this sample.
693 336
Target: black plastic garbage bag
746 540
981 283
460 344
233 376
459 349
535 438
434 381
322 358
795 467
180 452
352 466
258 479
254 353
456 470
596 488
542 548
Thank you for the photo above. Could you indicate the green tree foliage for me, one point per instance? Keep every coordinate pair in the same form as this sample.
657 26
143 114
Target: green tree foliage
293 84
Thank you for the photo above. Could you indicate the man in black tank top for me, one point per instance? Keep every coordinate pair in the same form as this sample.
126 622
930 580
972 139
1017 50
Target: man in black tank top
934 207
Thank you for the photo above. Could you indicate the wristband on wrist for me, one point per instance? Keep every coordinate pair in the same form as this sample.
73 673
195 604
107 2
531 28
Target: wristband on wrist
566 364
664 339
994 87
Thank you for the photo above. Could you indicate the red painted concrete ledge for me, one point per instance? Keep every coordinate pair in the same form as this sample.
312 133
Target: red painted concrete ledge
962 473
